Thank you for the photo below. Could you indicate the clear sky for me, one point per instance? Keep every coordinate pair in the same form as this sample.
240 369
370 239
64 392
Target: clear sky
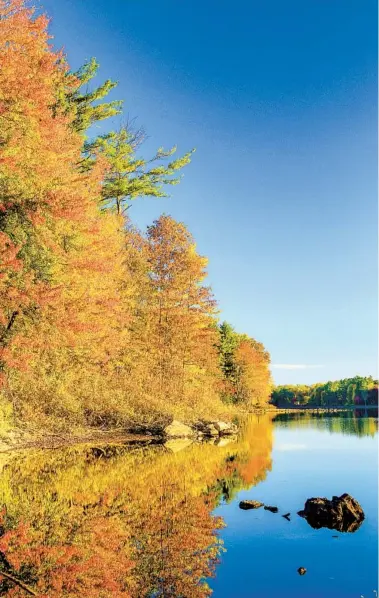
280 101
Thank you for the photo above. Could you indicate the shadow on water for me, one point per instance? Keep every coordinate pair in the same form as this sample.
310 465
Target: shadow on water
102 521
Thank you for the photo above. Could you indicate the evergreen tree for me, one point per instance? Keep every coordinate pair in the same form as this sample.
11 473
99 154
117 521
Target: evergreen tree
128 176
85 106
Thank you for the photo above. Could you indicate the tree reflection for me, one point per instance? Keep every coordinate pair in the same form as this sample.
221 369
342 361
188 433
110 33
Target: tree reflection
119 521
358 422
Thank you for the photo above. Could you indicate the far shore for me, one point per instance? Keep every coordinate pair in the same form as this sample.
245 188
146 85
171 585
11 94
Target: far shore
304 408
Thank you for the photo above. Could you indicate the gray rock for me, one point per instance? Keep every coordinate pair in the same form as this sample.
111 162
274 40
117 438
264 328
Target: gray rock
219 428
342 513
224 428
178 430
301 570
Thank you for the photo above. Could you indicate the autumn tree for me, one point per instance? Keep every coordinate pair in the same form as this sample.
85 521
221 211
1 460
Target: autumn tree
181 312
253 379
62 264
99 324
33 172
244 364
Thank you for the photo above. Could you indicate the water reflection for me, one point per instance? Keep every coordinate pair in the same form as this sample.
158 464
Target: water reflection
359 422
120 521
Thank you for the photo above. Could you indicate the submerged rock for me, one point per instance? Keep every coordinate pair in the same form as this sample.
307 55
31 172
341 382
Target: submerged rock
342 513
272 509
250 504
178 430
287 516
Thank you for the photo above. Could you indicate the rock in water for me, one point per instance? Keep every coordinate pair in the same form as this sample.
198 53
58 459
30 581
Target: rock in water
224 428
301 570
211 430
342 513
272 509
250 504
178 430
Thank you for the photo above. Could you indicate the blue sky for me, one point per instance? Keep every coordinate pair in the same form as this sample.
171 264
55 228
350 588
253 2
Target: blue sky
280 101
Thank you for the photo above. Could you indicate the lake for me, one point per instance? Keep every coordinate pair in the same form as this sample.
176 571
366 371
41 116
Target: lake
151 520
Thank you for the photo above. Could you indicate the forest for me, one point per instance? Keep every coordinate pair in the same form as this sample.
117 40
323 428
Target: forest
357 391
101 324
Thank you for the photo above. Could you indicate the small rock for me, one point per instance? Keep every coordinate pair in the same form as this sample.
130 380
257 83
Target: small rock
250 504
287 516
272 509
301 570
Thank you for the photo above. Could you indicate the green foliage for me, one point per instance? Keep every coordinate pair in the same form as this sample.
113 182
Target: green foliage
229 340
350 394
244 364
348 422
129 176
84 105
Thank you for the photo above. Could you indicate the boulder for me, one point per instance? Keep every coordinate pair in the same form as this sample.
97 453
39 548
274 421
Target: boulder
224 428
250 504
218 428
203 428
211 430
342 513
178 430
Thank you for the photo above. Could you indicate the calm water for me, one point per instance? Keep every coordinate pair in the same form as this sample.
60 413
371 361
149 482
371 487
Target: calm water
164 521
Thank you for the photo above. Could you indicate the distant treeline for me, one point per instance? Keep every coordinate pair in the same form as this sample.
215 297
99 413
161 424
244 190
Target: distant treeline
347 392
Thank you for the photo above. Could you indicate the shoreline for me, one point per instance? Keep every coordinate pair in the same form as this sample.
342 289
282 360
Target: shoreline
55 441
20 439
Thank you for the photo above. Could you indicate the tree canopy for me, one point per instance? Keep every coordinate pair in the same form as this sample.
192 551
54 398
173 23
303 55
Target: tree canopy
100 323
